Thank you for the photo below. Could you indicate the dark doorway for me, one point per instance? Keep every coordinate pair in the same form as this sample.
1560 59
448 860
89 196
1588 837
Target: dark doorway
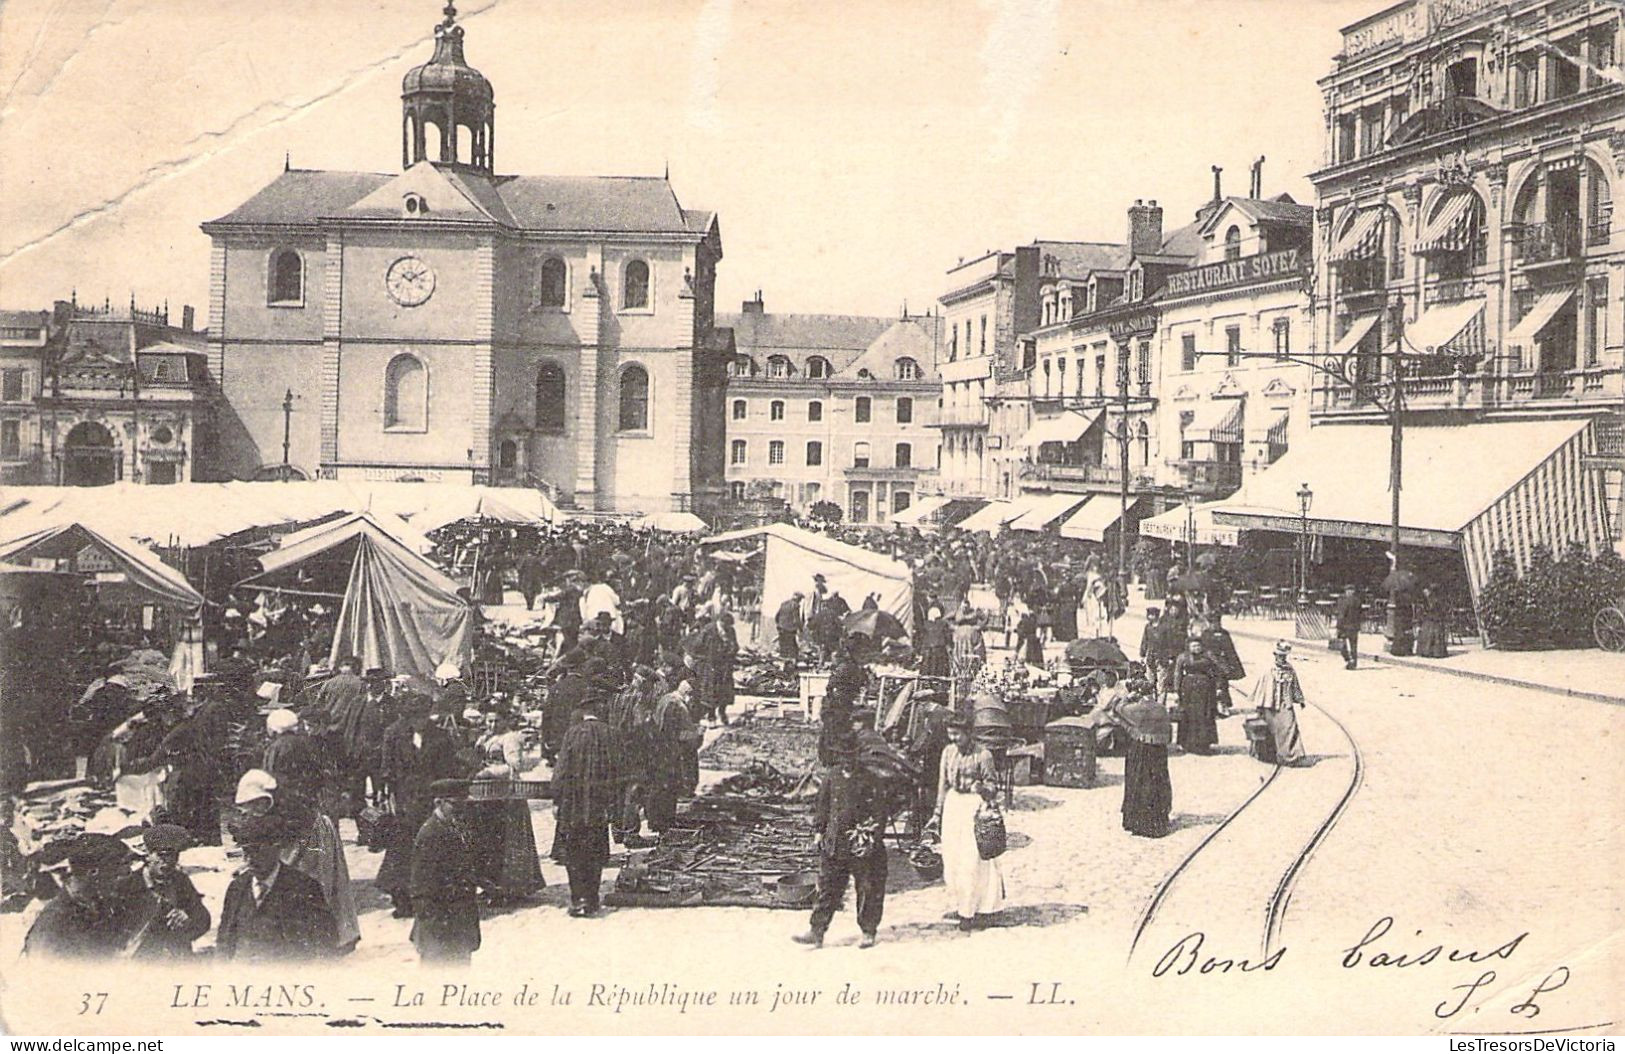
89 457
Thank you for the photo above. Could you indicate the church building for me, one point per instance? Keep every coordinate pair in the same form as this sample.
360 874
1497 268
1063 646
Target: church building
447 323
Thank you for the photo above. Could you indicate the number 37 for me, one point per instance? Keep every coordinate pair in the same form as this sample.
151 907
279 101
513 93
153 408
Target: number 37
92 1002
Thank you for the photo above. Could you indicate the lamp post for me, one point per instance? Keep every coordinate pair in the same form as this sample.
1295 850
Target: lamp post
1190 530
1305 498
287 427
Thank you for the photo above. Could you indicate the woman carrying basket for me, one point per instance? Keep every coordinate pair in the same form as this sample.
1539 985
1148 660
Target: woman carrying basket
975 886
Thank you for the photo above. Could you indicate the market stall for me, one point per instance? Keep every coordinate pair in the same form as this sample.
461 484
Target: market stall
399 611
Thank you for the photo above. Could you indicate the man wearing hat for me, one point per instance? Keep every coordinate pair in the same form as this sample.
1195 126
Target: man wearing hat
97 914
359 721
272 911
787 621
850 819
416 752
446 910
178 916
587 791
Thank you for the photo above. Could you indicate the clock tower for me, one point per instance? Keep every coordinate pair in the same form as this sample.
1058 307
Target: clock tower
447 323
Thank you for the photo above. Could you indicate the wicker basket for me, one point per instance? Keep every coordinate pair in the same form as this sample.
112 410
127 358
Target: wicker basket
506 790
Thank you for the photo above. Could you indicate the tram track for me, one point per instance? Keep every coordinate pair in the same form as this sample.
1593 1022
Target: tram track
1275 907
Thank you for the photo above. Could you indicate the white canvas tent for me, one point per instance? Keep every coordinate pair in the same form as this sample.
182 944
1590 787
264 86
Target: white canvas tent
399 611
794 556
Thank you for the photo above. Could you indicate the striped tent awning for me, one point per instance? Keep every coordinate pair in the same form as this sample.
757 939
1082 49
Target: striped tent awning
1352 336
1217 421
1275 434
1443 323
1451 229
1363 240
1545 309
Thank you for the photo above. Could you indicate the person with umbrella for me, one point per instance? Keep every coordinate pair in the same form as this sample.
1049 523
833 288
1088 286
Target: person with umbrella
1147 793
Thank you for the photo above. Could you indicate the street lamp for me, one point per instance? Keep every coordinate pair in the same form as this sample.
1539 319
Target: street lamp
1190 529
1305 498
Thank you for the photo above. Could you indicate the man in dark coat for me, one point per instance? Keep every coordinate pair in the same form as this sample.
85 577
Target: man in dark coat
446 910
416 753
1221 648
532 572
1350 612
586 796
567 612
850 819
273 911
846 684
359 722
194 750
787 621
673 755
99 912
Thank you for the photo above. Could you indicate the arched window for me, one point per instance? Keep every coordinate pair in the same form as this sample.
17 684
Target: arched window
905 411
818 367
775 410
736 452
635 286
550 397
287 284
634 399
779 367
406 395
1232 243
554 282
739 410
815 411
815 453
906 369
904 456
1142 434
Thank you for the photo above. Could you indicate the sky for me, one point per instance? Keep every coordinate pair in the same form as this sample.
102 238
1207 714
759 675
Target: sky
854 151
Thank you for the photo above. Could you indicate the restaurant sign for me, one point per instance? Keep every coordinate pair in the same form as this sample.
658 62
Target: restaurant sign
1243 271
1405 24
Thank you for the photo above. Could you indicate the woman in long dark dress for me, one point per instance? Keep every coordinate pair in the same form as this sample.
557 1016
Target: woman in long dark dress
936 637
1028 645
1197 683
1148 795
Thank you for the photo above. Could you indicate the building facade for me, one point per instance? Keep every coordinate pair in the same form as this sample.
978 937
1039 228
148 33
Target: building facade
838 408
450 323
1466 215
1233 347
97 395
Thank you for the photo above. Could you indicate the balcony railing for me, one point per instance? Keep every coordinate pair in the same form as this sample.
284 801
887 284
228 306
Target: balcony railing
1547 242
1599 232
1103 474
1357 277
1481 391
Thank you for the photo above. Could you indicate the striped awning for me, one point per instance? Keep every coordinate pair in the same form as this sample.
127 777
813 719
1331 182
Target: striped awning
1275 435
1046 511
1441 324
1066 427
1450 230
1098 515
1354 334
1545 309
1363 240
1217 421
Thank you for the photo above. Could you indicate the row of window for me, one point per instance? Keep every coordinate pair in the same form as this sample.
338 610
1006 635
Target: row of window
862 410
286 287
953 340
406 397
739 453
1280 334
779 367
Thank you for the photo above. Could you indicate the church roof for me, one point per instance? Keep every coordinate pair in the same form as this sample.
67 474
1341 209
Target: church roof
631 204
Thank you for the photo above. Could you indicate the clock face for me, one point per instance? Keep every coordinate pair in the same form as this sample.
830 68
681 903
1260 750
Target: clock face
410 281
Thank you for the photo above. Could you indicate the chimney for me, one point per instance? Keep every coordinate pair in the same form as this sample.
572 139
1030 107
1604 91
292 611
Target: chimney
1218 193
754 307
188 316
1256 191
1144 227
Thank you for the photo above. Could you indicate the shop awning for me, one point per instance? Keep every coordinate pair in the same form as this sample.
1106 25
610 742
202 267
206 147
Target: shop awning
1091 522
920 510
1451 229
1216 421
1479 487
1048 509
1545 309
1067 427
1363 240
1354 334
125 570
1176 524
1275 432
1439 325
990 518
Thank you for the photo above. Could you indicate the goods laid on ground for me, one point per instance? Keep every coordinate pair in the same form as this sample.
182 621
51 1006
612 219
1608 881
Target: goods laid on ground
788 747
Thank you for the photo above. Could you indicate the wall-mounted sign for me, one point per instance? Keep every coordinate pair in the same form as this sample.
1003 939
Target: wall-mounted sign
1408 23
1137 325
1246 270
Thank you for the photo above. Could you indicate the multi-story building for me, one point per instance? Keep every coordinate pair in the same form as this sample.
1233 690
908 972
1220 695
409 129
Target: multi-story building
1092 384
1467 246
1232 347
95 395
835 408
451 323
